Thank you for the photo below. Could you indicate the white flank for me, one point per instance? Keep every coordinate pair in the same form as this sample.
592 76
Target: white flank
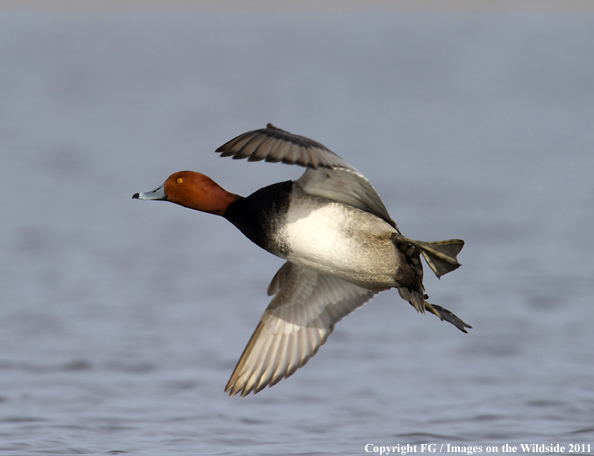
341 241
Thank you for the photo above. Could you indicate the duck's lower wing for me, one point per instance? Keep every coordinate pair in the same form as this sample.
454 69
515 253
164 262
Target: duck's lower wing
295 325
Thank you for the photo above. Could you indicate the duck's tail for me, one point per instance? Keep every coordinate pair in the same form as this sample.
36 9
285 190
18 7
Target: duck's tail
440 255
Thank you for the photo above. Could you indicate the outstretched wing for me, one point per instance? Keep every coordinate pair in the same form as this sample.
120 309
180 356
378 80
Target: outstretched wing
295 325
275 145
328 175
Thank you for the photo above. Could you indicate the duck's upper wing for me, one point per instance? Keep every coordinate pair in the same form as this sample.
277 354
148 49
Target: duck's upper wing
328 175
297 322
275 145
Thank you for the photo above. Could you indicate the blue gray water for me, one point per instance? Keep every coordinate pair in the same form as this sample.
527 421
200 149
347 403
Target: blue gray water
121 320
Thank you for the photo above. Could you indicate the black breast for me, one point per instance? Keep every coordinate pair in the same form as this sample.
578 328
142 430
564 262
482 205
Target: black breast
262 216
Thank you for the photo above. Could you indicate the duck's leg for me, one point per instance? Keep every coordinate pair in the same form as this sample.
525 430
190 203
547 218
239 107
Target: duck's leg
446 315
439 255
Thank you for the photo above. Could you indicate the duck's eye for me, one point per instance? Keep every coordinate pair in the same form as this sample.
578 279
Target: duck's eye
179 180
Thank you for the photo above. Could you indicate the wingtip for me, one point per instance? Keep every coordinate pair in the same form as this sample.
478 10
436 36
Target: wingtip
232 390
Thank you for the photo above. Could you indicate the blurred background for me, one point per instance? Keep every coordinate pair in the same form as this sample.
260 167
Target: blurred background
121 320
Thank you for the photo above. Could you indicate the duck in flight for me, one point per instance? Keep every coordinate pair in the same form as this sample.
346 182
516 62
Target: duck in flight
340 245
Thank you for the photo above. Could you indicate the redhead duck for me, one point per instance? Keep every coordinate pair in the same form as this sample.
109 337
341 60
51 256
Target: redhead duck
340 245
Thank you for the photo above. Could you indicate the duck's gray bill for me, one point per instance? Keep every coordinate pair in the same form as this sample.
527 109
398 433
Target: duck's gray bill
156 194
